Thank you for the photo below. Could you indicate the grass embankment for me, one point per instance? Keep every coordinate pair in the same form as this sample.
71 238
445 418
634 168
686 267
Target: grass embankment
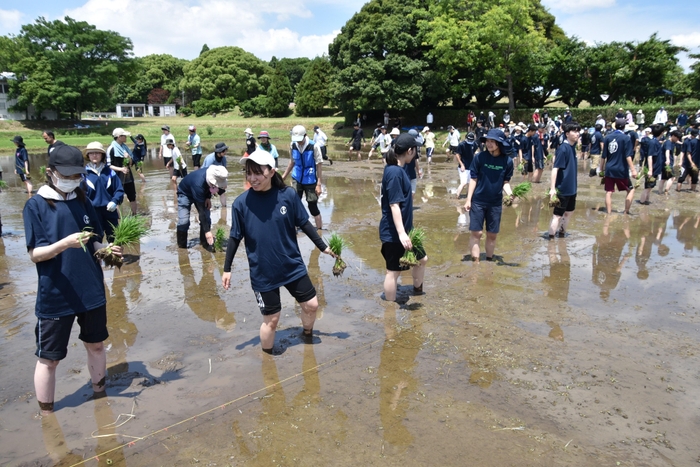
226 127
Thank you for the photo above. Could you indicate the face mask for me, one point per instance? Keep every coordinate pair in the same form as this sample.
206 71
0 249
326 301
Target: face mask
65 185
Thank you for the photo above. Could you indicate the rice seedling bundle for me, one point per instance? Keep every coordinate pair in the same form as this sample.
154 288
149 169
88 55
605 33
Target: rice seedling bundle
219 239
127 233
554 201
519 191
336 244
417 236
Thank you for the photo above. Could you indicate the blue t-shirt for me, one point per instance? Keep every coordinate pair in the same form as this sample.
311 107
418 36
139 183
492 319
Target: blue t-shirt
396 189
490 174
410 168
526 147
466 153
565 161
617 147
195 186
538 149
670 147
103 187
596 139
654 149
267 221
20 158
211 160
682 119
694 151
72 281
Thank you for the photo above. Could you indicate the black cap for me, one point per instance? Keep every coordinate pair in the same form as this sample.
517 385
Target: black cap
220 147
404 142
471 137
139 136
68 160
18 139
316 128
165 127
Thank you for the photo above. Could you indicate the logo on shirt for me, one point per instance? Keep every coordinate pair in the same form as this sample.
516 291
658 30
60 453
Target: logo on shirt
283 210
86 219
612 147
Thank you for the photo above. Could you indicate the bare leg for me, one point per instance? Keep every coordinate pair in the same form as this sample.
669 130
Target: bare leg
608 201
538 175
45 382
628 200
97 365
29 187
134 207
565 221
418 272
308 313
474 244
268 329
554 225
222 198
390 283
490 244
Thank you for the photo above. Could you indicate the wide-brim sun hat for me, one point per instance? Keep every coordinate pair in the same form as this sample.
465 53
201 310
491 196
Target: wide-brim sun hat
220 147
264 134
95 146
216 175
248 131
496 135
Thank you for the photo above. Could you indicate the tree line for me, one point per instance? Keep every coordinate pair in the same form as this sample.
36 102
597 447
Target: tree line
399 55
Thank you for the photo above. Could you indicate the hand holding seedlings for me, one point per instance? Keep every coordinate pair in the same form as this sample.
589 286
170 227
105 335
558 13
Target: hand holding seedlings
519 191
416 237
553 198
335 248
127 233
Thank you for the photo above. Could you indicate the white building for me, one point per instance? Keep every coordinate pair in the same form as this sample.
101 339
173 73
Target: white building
139 110
6 103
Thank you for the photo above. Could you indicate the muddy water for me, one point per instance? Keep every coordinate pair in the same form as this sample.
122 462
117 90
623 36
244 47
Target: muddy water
576 351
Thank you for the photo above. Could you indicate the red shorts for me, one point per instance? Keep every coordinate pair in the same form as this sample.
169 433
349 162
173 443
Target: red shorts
622 184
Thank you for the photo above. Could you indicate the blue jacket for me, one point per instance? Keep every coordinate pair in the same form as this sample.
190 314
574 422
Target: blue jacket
103 187
304 170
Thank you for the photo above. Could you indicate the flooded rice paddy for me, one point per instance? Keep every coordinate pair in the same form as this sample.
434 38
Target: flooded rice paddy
576 351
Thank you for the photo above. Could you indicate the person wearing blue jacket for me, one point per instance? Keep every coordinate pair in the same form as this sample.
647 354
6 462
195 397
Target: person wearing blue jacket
197 188
102 187
139 152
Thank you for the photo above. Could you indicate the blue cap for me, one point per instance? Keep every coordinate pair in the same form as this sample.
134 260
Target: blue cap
496 135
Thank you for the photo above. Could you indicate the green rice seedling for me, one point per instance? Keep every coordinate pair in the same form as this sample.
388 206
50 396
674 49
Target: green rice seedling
139 166
519 191
553 201
179 161
668 171
42 171
642 174
336 244
521 168
3 184
219 239
417 236
85 234
694 170
127 233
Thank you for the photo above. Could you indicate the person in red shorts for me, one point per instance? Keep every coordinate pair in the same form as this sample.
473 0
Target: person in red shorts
616 162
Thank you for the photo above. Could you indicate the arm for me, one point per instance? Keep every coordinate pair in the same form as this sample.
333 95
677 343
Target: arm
231 249
288 170
507 188
470 193
552 187
398 223
318 157
313 235
631 166
75 240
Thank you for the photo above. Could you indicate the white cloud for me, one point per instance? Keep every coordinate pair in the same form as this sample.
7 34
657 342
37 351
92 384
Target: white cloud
10 20
691 40
181 27
568 6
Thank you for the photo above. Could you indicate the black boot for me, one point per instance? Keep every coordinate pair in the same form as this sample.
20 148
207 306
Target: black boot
182 239
203 240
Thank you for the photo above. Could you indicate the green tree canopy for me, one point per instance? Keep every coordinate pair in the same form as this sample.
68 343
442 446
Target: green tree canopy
152 72
293 68
379 60
279 95
70 65
313 92
224 77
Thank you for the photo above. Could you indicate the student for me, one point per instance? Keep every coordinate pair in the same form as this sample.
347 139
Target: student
102 187
306 167
563 183
139 152
490 173
596 148
526 150
412 167
382 141
119 158
266 145
617 163
71 281
194 143
22 163
453 140
163 138
250 145
177 160
267 217
539 143
466 151
654 153
397 217
668 149
585 144
688 160
218 157
197 188
355 142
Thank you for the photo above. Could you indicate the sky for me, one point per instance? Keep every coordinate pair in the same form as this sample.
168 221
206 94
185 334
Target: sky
304 28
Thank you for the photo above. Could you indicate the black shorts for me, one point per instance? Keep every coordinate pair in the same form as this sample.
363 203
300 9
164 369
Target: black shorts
180 172
53 334
489 214
585 148
196 160
529 168
392 253
686 172
666 174
301 289
22 177
356 145
166 160
130 190
566 204
324 153
311 197
453 149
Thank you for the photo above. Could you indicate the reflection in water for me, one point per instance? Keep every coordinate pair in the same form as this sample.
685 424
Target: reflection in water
686 230
203 298
557 333
11 314
559 277
122 332
316 277
608 259
396 380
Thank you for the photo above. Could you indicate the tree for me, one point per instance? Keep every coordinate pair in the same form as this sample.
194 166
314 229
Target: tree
279 95
158 96
205 48
223 78
313 92
293 68
378 58
150 72
694 75
70 65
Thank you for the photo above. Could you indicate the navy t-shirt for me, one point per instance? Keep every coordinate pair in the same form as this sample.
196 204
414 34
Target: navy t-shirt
617 147
538 149
634 137
267 221
490 174
20 158
644 147
526 147
596 139
565 161
396 189
466 153
655 153
688 147
195 186
696 152
670 147
71 282
410 168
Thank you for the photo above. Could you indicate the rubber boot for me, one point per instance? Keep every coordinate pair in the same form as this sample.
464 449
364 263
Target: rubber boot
182 239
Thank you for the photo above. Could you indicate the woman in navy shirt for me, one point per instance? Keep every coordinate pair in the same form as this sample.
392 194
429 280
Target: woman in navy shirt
564 180
267 217
70 278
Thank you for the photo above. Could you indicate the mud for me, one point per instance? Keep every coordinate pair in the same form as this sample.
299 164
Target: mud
575 351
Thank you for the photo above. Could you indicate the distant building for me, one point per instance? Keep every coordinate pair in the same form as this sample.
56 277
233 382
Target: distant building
139 110
6 103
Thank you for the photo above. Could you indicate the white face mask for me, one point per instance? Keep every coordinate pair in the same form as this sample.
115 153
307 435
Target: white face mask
65 185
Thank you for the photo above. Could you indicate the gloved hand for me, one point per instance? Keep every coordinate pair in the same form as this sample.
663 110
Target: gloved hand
111 206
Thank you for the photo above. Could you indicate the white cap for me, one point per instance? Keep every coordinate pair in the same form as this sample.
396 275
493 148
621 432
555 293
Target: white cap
298 133
120 132
395 132
260 157
216 175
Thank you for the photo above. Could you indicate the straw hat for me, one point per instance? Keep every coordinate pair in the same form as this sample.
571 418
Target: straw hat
95 146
